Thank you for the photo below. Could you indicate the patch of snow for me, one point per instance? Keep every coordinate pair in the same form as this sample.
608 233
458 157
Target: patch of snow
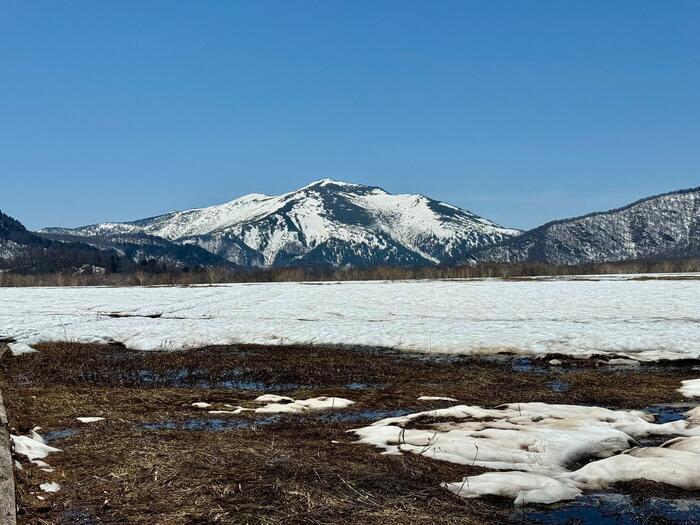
523 487
272 398
50 487
20 349
90 419
42 465
31 448
34 434
304 405
623 362
690 388
533 443
436 398
201 404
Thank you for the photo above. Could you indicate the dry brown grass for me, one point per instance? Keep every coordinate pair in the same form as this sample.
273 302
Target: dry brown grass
285 470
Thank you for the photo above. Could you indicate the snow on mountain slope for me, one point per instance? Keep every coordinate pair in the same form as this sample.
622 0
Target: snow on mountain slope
663 226
327 223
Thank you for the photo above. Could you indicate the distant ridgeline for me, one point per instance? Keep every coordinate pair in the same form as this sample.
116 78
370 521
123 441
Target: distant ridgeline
330 226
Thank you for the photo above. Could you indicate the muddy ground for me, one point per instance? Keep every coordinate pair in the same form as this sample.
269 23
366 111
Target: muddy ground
158 460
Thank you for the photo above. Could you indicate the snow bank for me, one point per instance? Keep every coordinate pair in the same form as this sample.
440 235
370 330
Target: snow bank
644 320
534 443
690 388
304 405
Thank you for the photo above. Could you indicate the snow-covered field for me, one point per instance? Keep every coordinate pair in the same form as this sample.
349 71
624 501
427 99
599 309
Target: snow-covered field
646 320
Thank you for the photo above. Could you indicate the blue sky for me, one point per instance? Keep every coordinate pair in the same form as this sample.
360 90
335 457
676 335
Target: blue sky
522 111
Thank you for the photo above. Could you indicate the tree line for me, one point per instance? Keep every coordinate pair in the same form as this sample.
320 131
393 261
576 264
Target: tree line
156 275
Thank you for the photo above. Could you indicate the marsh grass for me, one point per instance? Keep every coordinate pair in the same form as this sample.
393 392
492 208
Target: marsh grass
293 469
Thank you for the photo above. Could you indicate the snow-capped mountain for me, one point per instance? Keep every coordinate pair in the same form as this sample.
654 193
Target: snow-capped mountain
663 226
327 223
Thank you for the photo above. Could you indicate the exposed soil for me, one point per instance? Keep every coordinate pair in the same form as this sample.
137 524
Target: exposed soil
156 459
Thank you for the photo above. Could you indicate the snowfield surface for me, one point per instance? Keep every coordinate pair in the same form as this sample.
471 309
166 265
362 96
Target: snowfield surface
645 320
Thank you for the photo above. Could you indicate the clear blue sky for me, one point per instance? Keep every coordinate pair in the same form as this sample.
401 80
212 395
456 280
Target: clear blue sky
522 111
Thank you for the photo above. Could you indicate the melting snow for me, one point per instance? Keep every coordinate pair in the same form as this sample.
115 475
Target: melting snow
272 398
690 388
436 398
304 405
90 419
535 443
50 487
33 449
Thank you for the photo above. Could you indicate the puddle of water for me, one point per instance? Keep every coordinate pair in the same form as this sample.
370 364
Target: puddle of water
223 425
364 415
663 414
669 412
211 425
256 385
525 364
75 517
618 509
558 386
362 386
61 433
200 378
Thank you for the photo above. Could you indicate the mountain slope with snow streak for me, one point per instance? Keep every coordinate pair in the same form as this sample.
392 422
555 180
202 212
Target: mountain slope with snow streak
663 226
327 223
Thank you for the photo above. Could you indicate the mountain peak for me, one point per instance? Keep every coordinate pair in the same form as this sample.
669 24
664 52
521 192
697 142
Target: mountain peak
325 223
321 183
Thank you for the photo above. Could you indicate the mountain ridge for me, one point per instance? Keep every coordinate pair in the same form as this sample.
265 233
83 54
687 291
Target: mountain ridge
624 233
325 223
23 250
335 224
